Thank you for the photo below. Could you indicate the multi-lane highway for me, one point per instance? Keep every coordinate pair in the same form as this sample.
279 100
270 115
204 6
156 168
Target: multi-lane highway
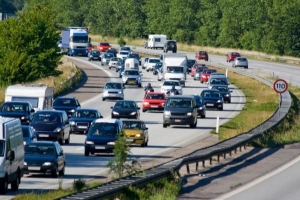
161 140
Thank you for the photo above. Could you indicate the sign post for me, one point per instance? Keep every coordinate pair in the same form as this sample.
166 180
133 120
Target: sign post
280 86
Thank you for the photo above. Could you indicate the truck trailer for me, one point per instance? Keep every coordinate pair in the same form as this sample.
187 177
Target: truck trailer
174 67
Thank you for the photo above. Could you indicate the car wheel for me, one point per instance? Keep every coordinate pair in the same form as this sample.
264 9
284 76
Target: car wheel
220 108
246 67
103 99
54 172
165 125
144 110
194 79
3 186
140 85
62 171
89 59
229 101
86 153
67 141
202 116
147 70
61 140
109 67
15 184
201 81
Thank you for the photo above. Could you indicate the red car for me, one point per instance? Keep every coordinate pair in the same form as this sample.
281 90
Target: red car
103 46
202 55
232 55
154 101
205 74
195 66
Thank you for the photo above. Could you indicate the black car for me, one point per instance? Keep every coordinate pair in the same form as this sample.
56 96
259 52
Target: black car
212 99
157 68
68 104
82 118
28 134
136 56
112 51
18 109
225 92
170 45
51 125
190 64
94 55
125 109
44 157
201 107
180 110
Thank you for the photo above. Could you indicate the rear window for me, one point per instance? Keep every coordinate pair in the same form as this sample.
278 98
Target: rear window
171 83
180 103
153 60
103 129
218 81
236 54
202 52
157 39
210 94
104 44
155 96
242 59
64 102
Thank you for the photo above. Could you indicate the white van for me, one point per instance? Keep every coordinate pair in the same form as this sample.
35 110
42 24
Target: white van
40 96
131 63
11 154
156 41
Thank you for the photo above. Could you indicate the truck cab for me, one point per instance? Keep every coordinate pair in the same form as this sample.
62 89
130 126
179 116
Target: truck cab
174 67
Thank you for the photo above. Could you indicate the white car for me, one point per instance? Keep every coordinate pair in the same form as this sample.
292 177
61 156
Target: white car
144 62
151 63
167 86
126 49
113 62
123 54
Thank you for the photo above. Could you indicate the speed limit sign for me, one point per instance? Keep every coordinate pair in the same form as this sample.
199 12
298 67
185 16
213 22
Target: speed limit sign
280 86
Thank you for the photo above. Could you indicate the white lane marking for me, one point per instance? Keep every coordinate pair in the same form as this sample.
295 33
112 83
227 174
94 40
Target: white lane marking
259 180
79 148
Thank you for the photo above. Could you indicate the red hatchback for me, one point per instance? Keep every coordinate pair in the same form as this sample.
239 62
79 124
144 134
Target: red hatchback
154 101
202 55
205 74
103 46
232 55
195 66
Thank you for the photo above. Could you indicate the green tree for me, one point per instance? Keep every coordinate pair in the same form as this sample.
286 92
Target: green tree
28 46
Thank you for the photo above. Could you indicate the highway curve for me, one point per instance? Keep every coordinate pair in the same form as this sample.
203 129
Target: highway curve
161 140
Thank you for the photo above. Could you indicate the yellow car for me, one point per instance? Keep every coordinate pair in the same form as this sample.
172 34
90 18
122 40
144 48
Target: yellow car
136 131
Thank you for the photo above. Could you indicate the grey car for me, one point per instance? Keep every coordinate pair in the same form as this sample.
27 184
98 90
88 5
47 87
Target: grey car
240 62
113 90
132 77
105 58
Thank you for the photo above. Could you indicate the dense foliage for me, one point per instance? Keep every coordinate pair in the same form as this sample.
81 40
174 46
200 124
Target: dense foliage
28 46
270 26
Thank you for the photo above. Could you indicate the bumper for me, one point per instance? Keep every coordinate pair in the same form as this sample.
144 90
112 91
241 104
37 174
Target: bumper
132 82
99 148
38 169
178 120
76 129
204 80
79 52
94 58
135 140
113 96
152 107
213 105
48 136
124 116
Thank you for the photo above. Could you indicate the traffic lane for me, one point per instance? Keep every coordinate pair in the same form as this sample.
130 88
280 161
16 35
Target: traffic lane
284 185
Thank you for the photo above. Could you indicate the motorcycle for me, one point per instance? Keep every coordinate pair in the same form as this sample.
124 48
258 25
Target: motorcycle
172 93
148 90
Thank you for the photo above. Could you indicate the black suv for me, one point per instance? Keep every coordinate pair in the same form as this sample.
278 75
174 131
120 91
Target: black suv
171 45
180 110
68 104
18 109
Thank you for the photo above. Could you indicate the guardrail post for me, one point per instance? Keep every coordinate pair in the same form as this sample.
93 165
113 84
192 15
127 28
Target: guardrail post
224 155
230 153
188 168
178 174
245 146
240 148
217 125
203 163
197 165
210 161
218 158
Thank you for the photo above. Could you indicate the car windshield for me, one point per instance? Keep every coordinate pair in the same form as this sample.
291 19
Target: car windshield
25 130
40 149
158 65
85 114
15 107
113 86
242 59
155 96
133 56
180 103
146 59
2 147
170 83
210 94
153 60
103 129
64 102
133 73
125 104
104 44
236 54
47 117
218 81
199 100
221 88
174 69
133 125
209 71
125 49
95 52
190 62
108 55
124 52
198 70
114 59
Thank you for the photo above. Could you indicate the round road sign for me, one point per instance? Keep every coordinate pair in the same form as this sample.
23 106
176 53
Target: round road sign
280 86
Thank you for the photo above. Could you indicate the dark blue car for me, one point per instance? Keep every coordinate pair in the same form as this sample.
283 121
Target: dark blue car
67 104
212 99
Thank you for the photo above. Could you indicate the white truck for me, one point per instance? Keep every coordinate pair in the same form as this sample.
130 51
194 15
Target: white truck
131 63
11 154
156 41
174 67
40 96
75 41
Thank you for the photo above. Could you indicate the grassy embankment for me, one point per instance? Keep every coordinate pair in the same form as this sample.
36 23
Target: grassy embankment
67 71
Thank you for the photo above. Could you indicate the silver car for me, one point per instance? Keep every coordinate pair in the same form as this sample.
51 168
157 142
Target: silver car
113 90
197 74
240 62
132 77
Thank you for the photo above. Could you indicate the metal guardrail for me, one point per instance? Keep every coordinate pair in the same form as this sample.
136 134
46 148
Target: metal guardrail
223 148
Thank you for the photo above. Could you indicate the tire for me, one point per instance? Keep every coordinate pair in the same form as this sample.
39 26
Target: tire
4 186
147 70
194 125
67 141
109 67
61 140
229 101
201 81
15 184
140 85
54 172
120 76
103 99
86 152
203 116
144 110
165 125
220 108
62 171
166 51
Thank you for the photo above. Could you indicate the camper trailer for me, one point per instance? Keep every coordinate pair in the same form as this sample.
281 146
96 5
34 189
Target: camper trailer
131 63
40 96
156 41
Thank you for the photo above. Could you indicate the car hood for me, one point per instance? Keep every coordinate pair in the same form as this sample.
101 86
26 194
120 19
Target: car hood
101 140
42 126
132 132
65 108
38 159
13 114
170 87
78 119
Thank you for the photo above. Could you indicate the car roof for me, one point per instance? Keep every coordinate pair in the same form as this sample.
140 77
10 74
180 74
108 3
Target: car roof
181 96
43 142
154 58
218 85
155 93
51 111
66 97
210 90
21 102
88 109
131 70
171 81
125 101
106 120
132 120
113 82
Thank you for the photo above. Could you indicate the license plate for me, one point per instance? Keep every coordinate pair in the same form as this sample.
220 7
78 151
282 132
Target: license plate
131 82
129 140
82 127
177 120
99 147
210 104
34 168
95 58
154 106
79 54
43 135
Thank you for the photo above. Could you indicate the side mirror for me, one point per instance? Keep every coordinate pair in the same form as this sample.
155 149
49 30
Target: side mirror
111 107
32 110
61 153
11 155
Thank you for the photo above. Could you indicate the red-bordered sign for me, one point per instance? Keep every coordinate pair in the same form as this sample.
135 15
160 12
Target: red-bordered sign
280 86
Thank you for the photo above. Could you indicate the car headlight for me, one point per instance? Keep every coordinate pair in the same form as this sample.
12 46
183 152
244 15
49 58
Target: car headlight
57 130
200 108
120 92
72 123
23 117
138 135
227 95
24 143
189 114
146 103
133 113
167 113
47 163
219 101
25 163
89 142
73 110
111 143
115 113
